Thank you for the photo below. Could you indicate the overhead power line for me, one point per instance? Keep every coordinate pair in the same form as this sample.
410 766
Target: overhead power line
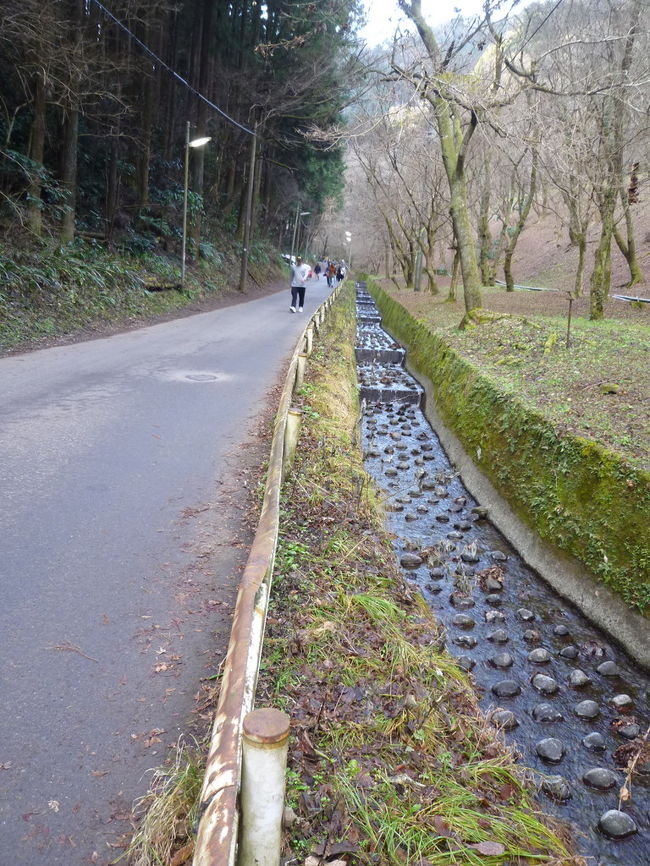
169 69
537 29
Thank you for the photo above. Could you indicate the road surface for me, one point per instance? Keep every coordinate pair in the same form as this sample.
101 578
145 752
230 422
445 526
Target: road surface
121 543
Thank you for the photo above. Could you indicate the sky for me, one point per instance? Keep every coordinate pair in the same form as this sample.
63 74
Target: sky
383 15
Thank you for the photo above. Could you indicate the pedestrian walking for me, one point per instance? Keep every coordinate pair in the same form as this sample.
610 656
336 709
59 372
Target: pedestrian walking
331 273
317 270
299 274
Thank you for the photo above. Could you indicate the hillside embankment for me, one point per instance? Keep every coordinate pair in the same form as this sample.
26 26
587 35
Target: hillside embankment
52 294
560 433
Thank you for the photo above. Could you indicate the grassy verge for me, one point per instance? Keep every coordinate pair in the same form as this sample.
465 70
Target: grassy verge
49 291
598 387
390 760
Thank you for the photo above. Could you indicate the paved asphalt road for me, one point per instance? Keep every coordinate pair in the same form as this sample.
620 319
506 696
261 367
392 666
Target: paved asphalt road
118 559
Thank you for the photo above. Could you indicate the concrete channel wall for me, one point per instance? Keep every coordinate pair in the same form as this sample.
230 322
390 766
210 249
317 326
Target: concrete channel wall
564 572
216 843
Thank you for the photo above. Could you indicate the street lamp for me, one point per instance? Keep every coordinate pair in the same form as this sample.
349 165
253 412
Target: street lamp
197 142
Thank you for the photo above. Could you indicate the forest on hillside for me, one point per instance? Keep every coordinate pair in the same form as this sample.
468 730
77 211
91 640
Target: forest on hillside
445 139
96 100
472 130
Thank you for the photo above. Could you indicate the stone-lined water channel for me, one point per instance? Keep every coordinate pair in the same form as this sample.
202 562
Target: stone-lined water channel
570 700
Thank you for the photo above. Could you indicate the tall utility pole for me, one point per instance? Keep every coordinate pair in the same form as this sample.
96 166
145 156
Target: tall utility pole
248 217
295 230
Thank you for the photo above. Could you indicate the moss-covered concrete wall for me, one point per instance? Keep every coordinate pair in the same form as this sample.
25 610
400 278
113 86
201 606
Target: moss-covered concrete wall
585 501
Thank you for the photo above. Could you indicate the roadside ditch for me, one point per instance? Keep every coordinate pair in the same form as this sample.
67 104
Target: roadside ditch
390 759
565 696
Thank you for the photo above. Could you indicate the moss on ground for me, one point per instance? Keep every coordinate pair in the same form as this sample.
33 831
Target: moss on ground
390 760
578 495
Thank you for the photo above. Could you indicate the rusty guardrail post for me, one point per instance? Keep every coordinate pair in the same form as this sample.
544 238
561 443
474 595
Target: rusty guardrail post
300 370
264 759
291 433
309 340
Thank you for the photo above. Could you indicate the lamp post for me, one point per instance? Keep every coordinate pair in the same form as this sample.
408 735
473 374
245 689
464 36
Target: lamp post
197 142
348 240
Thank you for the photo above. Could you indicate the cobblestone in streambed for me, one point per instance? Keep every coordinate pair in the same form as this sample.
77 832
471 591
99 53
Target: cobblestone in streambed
558 688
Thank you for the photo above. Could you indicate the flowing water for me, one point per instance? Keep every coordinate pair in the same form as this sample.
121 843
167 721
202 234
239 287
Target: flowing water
562 691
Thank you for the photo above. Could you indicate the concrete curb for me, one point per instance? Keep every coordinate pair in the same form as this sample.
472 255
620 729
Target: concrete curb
216 843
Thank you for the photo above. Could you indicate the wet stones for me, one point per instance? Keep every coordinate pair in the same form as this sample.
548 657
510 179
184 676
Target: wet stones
560 631
557 788
547 713
499 635
461 620
391 472
525 615
467 663
466 641
480 512
622 703
491 584
437 573
600 778
506 689
595 742
461 601
608 669
411 560
629 732
569 652
494 599
504 719
587 710
544 685
498 556
578 679
539 656
494 616
550 750
531 635
616 824
502 661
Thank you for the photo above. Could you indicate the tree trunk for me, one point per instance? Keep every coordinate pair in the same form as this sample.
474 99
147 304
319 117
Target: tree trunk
69 173
454 162
629 248
36 152
602 273
484 235
454 277
581 242
507 270
524 206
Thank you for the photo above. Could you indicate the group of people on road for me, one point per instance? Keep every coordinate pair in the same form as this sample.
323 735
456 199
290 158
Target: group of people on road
301 272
